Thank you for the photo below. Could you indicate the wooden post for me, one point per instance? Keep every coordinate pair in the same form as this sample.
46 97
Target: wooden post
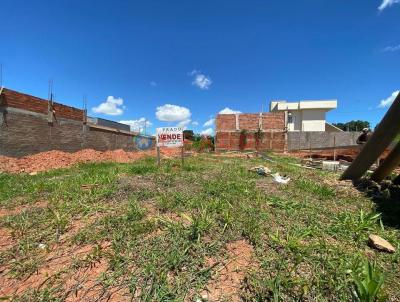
391 162
334 147
299 141
182 154
158 157
385 133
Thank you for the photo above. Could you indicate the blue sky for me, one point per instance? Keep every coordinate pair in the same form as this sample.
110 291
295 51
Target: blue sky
172 62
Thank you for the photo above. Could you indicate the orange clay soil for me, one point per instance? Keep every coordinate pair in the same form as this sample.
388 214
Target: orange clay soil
226 282
45 161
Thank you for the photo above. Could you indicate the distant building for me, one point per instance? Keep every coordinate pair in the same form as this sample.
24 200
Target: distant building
306 115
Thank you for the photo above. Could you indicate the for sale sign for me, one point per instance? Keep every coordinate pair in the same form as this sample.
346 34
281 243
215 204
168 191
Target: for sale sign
170 137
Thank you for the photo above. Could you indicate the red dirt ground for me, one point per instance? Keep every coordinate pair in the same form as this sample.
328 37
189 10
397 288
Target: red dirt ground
225 285
347 154
58 159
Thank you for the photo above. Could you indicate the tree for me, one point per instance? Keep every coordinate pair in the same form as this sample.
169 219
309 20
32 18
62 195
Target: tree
353 125
188 134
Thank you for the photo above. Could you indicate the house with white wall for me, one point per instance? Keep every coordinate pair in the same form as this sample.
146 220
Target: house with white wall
306 115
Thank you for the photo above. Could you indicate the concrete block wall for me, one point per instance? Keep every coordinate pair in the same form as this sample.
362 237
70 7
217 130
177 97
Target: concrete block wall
24 129
104 140
231 127
322 140
24 132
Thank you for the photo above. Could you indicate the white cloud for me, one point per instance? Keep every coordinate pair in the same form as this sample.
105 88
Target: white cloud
201 80
183 124
209 123
137 124
195 123
112 106
388 101
208 131
387 3
172 113
228 110
391 48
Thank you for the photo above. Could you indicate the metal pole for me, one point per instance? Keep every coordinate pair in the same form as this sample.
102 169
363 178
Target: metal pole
385 133
391 162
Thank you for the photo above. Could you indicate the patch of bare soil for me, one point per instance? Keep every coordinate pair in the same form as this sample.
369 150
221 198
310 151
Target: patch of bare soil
55 263
78 224
267 185
344 187
85 285
6 240
237 154
136 183
19 209
154 213
226 283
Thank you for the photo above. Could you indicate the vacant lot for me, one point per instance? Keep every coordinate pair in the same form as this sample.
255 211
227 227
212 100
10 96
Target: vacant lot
133 232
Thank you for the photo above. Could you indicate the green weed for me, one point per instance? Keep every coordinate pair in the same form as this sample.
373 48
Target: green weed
368 282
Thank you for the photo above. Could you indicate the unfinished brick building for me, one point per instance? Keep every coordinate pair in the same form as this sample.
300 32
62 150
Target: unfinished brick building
251 131
30 125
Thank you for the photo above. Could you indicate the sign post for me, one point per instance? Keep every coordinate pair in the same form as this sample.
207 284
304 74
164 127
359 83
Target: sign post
158 157
170 137
182 153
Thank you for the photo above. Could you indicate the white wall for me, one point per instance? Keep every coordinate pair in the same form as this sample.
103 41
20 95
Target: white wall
314 120
297 118
307 120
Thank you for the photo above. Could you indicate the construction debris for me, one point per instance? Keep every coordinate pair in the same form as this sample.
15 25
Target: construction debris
281 179
327 165
380 244
264 171
42 246
261 170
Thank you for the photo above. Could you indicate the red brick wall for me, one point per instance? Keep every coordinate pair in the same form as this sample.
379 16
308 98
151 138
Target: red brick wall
272 135
225 122
19 100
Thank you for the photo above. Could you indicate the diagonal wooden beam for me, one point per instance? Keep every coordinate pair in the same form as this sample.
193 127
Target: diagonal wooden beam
384 134
391 162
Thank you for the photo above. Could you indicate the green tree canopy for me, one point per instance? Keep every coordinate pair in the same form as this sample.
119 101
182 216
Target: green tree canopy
188 134
353 125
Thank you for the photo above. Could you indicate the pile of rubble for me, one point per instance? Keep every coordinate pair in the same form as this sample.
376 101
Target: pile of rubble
45 161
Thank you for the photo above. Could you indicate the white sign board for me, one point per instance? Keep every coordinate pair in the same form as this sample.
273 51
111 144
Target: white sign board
169 137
